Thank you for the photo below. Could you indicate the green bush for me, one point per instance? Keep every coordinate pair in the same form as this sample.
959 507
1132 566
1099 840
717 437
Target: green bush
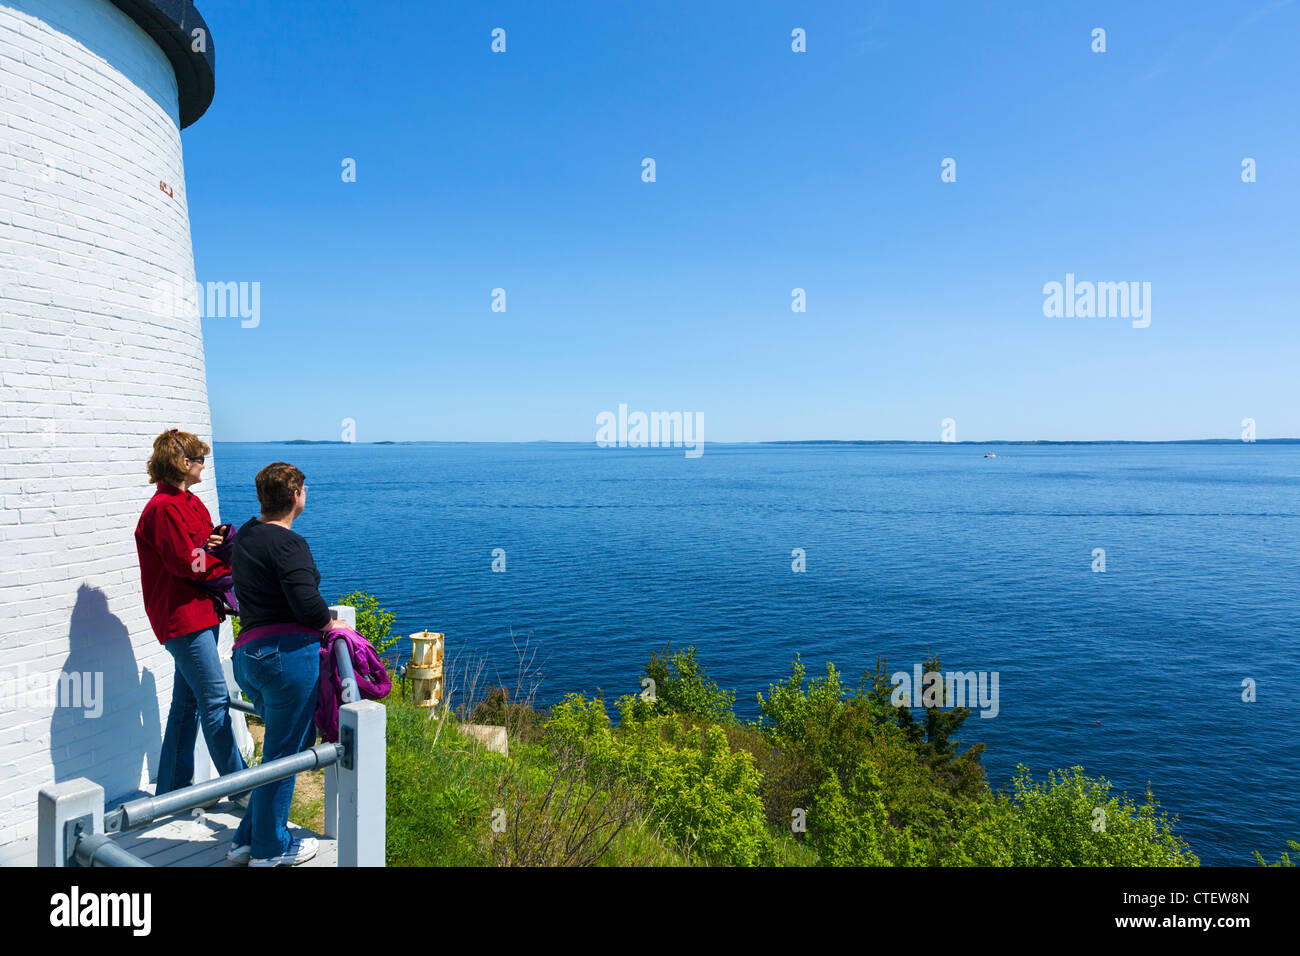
678 781
793 715
933 734
1285 861
563 810
1072 820
682 686
703 795
846 829
872 793
374 623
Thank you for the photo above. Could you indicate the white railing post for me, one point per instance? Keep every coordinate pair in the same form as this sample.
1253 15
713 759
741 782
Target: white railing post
57 805
204 768
225 650
362 784
347 614
332 801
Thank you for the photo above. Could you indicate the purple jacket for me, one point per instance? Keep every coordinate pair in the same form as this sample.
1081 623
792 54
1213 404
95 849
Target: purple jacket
373 681
222 589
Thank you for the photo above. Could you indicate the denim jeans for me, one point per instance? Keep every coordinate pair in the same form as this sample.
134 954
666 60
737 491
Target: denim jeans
199 697
280 675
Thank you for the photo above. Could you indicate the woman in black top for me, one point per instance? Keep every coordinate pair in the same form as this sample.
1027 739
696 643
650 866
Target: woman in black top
277 656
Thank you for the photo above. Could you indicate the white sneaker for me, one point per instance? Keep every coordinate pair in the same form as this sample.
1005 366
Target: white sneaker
300 851
239 854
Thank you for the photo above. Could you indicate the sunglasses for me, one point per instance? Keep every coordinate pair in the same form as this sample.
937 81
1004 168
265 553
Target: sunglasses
201 459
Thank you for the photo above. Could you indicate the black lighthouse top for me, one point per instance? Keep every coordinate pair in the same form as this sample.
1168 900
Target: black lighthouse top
173 24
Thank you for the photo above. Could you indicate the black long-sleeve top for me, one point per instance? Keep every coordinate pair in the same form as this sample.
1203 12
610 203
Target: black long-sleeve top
276 581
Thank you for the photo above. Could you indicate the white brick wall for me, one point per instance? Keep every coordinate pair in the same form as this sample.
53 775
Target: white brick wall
88 376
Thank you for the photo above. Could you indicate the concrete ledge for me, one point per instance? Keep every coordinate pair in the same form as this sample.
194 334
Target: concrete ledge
491 736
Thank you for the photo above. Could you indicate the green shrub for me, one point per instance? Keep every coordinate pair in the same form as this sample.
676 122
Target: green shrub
933 734
702 795
678 780
374 623
846 829
876 789
783 775
562 811
1072 820
682 686
1285 861
793 714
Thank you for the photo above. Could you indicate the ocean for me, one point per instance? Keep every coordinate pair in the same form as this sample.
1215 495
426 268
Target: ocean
1135 673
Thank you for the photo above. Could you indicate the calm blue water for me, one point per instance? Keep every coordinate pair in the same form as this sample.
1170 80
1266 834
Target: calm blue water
613 552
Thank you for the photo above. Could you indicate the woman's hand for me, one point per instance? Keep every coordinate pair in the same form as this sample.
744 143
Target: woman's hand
214 540
334 625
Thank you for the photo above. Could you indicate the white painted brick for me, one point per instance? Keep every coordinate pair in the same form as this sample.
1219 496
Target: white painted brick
88 127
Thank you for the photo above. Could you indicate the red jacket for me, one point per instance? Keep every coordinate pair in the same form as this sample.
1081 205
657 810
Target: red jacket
174 524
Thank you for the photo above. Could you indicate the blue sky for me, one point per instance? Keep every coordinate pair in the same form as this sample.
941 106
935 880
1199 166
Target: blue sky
775 170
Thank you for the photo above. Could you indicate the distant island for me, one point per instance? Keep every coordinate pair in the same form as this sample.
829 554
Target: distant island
312 441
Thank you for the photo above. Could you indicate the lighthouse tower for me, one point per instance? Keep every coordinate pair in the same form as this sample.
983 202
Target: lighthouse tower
93 222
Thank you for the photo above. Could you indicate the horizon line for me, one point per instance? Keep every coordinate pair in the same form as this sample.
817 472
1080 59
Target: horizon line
799 441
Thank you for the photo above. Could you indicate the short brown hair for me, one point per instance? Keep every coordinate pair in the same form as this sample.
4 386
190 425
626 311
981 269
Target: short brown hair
277 484
170 449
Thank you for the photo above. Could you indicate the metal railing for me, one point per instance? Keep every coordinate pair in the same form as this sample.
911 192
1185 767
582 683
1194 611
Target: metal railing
73 826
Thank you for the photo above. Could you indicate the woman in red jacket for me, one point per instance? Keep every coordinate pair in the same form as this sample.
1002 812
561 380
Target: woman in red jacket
170 540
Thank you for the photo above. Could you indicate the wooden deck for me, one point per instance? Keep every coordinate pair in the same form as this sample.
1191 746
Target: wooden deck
202 837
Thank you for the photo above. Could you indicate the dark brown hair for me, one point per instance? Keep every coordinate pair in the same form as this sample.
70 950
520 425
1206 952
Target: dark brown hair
277 484
170 449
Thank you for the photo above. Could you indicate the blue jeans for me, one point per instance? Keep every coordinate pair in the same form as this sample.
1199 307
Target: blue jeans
199 696
280 675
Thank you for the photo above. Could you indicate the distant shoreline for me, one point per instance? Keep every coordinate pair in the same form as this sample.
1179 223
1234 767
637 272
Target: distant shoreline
814 441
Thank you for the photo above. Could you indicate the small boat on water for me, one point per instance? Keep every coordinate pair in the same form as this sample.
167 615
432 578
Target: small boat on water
990 455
